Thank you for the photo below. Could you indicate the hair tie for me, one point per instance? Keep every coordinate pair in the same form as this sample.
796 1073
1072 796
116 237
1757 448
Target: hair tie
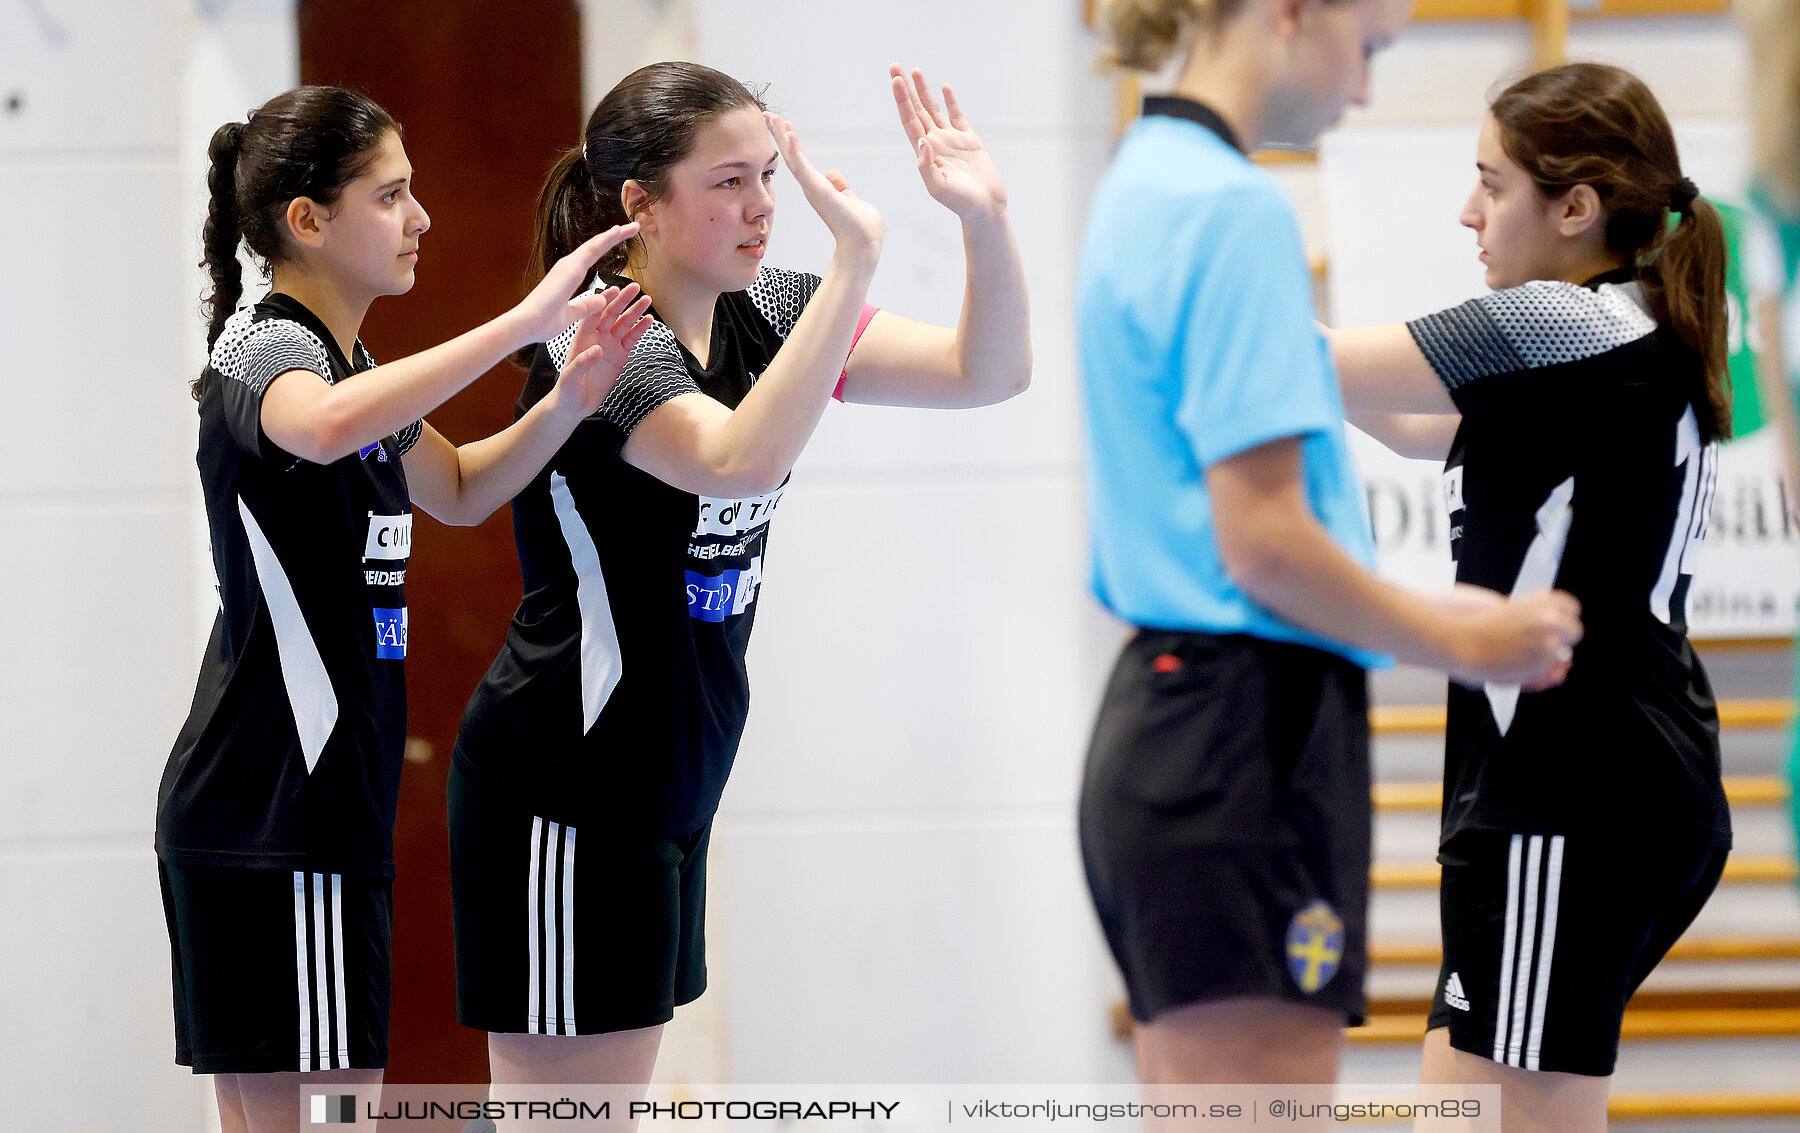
1681 197
584 155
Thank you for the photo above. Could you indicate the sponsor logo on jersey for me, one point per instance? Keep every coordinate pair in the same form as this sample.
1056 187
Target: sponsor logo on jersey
1453 489
390 537
380 453
384 577
1453 993
1315 946
713 598
390 633
734 517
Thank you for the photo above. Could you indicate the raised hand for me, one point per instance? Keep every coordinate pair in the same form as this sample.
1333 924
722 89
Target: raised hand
603 341
957 170
548 310
854 223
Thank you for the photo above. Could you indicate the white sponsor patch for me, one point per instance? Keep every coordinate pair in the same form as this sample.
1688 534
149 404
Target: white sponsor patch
1453 497
390 537
734 517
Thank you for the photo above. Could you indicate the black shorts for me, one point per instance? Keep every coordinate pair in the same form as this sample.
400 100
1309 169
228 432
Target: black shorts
278 970
552 942
1547 936
1225 822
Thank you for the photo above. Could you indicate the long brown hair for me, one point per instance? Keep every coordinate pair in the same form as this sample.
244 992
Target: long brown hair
1597 125
307 142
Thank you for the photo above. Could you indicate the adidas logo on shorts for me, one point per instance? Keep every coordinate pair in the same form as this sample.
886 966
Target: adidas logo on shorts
1453 993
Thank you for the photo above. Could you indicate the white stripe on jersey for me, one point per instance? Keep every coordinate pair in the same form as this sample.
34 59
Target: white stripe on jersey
310 697
1698 482
602 662
1537 572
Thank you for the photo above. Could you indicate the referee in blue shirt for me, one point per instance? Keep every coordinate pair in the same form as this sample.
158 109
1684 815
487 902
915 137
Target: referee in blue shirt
1225 821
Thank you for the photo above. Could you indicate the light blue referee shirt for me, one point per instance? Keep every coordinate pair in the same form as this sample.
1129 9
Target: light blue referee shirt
1198 343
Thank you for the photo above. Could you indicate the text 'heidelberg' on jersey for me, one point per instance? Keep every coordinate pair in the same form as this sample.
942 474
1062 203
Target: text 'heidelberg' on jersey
726 552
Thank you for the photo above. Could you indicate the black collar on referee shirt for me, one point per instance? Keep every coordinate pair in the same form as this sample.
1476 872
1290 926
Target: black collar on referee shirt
1171 106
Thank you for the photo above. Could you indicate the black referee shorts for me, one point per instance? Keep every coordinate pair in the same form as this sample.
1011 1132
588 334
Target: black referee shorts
1547 936
278 970
564 935
1225 822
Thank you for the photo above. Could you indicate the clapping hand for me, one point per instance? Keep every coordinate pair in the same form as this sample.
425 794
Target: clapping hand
854 222
956 168
603 341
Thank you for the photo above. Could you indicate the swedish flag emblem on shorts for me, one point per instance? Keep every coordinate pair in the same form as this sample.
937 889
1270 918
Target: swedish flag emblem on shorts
1315 946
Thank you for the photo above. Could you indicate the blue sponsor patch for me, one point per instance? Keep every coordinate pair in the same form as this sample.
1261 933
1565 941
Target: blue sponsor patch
390 633
714 597
363 453
1315 946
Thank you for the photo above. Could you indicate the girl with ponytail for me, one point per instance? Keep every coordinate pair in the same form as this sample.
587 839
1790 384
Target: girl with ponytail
275 817
1225 817
1578 407
615 708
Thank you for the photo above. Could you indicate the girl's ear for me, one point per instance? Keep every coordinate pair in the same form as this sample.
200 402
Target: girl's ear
303 218
1580 210
635 200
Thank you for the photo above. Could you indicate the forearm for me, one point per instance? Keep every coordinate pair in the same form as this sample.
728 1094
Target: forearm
1301 574
491 471
993 336
756 445
379 402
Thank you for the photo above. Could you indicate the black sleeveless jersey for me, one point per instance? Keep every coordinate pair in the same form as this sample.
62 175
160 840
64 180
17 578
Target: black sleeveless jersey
1579 464
621 692
290 757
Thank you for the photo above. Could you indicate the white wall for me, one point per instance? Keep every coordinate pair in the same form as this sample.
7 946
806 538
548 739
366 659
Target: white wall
897 867
101 586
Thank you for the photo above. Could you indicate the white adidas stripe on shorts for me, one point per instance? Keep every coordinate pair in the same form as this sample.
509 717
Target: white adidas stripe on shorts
1527 948
319 965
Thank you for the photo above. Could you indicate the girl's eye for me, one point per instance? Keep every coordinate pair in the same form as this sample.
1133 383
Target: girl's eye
729 183
390 198
768 175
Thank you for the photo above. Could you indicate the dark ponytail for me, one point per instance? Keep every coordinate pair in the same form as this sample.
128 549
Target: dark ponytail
570 210
219 239
308 142
1597 125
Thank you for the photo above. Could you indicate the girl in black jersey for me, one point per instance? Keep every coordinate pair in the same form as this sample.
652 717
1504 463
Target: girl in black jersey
274 831
1579 405
591 758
